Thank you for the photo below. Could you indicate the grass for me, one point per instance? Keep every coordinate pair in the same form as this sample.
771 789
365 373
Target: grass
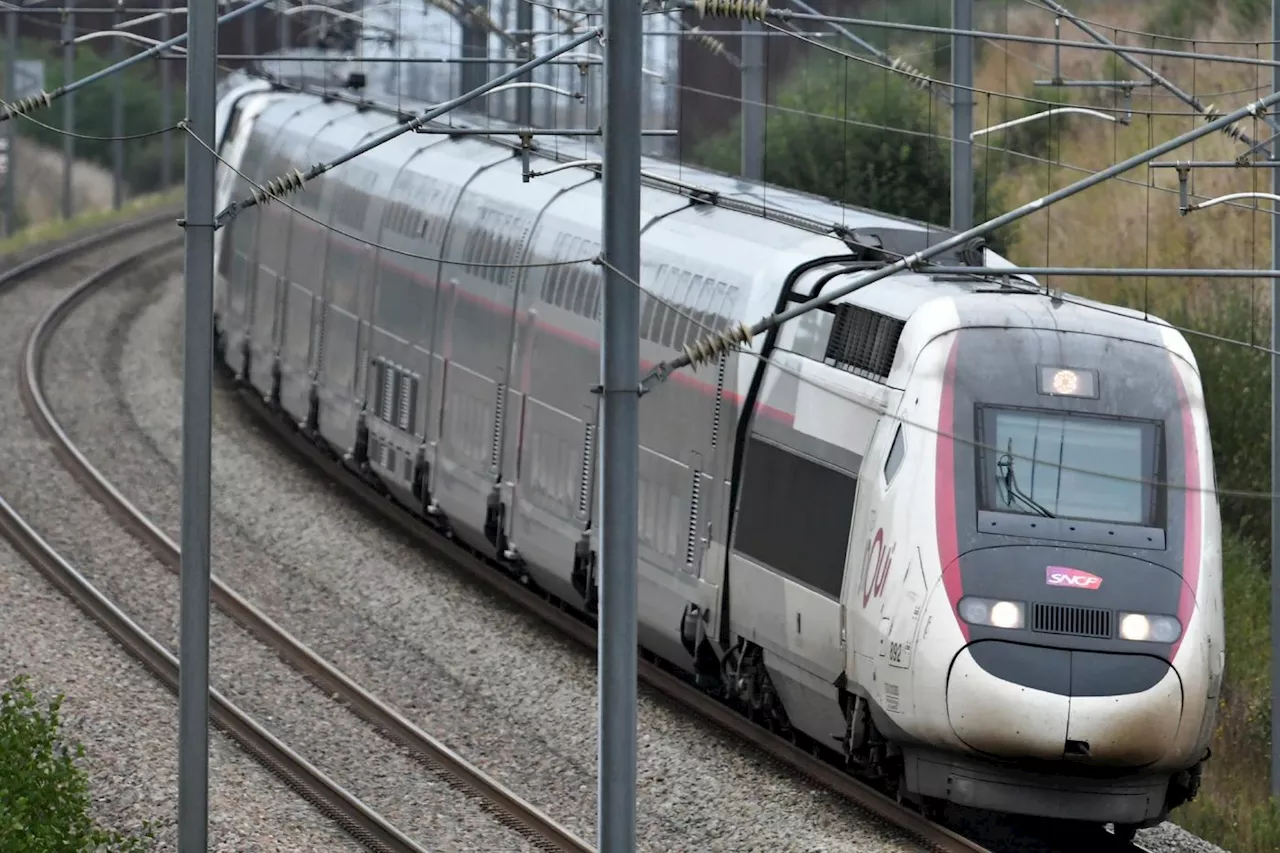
1234 808
1119 224
53 230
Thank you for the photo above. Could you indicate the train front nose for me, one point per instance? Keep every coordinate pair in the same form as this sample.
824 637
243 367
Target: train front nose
1064 655
1015 700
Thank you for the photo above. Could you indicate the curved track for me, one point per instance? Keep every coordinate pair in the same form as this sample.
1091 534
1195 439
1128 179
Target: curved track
364 824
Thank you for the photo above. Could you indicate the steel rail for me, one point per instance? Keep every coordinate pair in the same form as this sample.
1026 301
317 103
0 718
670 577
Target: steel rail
500 802
361 822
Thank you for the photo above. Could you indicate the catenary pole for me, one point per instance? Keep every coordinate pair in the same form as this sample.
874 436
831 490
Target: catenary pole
717 343
524 95
961 117
620 440
68 109
1275 431
197 404
282 31
166 104
11 132
250 24
117 124
753 99
475 43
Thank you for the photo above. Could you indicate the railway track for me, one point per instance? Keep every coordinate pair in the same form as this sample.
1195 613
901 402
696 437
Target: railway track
363 823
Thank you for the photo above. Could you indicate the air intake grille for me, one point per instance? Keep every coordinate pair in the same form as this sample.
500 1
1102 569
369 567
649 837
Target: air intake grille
1063 619
863 342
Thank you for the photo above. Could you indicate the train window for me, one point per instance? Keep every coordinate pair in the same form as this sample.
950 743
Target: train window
251 160
304 260
648 307
672 320
471 248
1070 465
308 197
597 288
495 249
587 287
595 285
582 292
794 515
341 273
399 311
568 276
554 277
696 292
893 461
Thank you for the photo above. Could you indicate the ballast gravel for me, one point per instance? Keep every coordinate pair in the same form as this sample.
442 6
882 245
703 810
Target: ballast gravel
1168 837
124 717
488 679
417 801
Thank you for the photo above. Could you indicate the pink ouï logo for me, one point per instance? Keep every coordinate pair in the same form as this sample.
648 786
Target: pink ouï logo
1063 576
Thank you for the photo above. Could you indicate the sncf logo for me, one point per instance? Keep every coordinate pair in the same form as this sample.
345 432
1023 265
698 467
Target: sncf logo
1063 576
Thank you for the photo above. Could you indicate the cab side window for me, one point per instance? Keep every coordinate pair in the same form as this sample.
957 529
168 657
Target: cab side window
894 460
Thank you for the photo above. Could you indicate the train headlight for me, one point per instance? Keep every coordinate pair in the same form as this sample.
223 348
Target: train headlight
992 611
1149 628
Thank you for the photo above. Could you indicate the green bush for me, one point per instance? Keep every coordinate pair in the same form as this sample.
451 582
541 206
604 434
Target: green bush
140 85
863 135
1234 808
44 796
1237 389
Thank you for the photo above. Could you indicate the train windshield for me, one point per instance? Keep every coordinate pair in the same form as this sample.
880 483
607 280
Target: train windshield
1068 465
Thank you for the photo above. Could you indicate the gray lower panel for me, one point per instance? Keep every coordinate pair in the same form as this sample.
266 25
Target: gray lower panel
1132 800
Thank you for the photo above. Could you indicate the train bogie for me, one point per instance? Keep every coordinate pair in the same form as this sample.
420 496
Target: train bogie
849 525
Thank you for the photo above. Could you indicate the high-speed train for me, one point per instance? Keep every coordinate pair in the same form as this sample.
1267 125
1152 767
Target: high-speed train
959 530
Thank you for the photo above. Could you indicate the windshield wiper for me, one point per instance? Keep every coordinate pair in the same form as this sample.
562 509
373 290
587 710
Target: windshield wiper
1009 480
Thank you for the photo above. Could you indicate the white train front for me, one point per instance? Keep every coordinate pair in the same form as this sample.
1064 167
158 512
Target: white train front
898 554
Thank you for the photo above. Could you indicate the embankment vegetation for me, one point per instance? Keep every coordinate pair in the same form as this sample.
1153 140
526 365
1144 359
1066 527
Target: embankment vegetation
1128 224
45 802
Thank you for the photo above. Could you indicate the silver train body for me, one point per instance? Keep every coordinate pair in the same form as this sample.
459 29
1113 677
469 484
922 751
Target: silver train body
876 530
